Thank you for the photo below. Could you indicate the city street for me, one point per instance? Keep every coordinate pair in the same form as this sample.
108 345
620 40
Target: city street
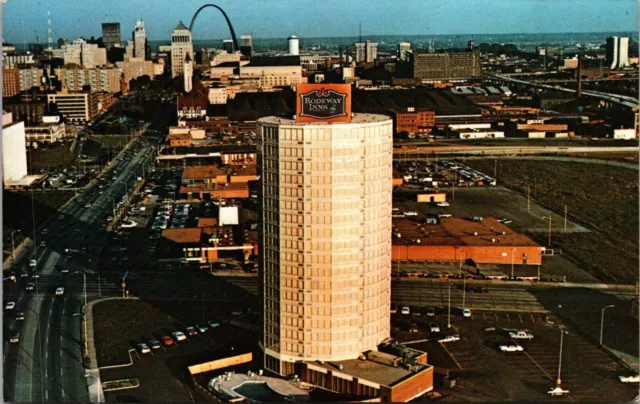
47 363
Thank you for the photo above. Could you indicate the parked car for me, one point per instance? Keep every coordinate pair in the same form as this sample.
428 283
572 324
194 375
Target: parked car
19 316
143 348
167 341
201 329
511 348
405 310
33 263
466 313
629 379
213 324
179 336
443 204
434 327
155 344
59 291
30 287
10 305
15 337
431 312
191 331
520 335
449 338
413 327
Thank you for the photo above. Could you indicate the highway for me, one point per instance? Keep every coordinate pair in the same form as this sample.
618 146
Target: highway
47 363
410 154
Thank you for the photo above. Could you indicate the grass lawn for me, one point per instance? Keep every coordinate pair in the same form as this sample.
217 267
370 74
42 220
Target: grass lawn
57 156
603 198
111 141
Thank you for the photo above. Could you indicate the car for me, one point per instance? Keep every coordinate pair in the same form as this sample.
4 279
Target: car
201 329
444 216
155 344
167 341
30 286
629 379
59 291
434 327
179 336
449 338
87 205
405 310
15 337
443 204
61 217
511 348
10 305
557 391
33 263
64 270
520 335
143 348
44 232
191 331
43 244
431 312
19 316
35 275
413 327
24 273
466 313
213 324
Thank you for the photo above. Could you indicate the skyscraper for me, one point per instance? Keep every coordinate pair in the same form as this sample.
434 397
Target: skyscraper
617 52
227 45
246 45
111 34
404 50
326 232
140 40
366 52
181 45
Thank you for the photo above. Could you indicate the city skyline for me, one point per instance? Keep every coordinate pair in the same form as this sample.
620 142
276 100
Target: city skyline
315 20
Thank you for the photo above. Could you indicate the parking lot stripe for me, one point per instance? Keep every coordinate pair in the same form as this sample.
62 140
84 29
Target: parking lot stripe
484 317
538 365
508 318
519 316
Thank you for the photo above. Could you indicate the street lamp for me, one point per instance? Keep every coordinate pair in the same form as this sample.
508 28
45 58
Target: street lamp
602 321
549 219
13 246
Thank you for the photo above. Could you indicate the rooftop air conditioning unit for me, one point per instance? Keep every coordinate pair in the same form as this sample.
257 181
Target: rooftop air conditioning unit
475 233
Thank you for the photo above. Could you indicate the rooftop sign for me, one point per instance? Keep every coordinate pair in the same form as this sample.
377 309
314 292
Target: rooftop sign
323 103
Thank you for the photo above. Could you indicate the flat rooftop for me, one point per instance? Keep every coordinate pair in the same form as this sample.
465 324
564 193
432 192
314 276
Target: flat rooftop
458 232
355 118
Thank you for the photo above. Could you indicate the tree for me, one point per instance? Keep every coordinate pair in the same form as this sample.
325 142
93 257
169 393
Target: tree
510 49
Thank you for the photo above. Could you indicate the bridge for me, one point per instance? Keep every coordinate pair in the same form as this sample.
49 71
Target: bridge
624 100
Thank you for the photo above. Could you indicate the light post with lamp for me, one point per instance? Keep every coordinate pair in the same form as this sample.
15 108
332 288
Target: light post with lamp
549 219
602 322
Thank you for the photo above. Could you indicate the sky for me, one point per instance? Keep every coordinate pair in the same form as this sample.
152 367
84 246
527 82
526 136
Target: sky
23 19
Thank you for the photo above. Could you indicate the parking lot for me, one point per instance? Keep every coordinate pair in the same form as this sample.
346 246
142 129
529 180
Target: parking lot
486 374
162 372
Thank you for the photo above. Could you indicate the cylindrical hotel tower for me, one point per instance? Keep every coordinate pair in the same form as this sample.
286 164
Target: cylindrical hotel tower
326 238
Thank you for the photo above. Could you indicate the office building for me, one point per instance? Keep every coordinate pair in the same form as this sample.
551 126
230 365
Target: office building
181 46
227 45
246 45
446 65
366 52
49 130
14 150
222 56
140 40
10 82
283 71
617 52
30 78
17 61
294 45
81 106
31 112
326 231
83 54
135 68
130 51
404 51
414 121
111 34
99 79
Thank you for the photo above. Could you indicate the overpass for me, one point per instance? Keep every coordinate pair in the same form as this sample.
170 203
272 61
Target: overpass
624 100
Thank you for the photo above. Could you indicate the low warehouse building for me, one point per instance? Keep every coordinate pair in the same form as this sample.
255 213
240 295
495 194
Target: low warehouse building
485 242
432 197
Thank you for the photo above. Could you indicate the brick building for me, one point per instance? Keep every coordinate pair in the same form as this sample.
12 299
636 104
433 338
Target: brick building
414 121
10 82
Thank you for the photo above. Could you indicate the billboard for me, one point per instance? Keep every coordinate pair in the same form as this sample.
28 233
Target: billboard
323 103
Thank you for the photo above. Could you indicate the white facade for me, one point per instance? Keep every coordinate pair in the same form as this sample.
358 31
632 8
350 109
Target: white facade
480 134
272 76
188 75
181 46
624 134
222 56
140 40
81 53
45 133
14 152
294 45
366 52
326 232
457 126
404 50
217 95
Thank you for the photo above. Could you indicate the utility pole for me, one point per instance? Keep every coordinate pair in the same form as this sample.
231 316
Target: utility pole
549 229
559 380
538 273
528 198
565 218
464 291
495 169
449 309
513 252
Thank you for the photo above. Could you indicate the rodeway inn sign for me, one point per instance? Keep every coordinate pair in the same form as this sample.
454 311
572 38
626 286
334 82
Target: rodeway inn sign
323 103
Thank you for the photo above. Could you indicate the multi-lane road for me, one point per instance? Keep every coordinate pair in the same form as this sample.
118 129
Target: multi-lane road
47 363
